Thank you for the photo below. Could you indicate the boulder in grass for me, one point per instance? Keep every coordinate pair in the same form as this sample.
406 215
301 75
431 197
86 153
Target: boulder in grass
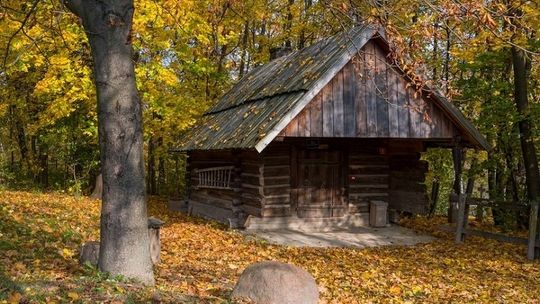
90 253
273 282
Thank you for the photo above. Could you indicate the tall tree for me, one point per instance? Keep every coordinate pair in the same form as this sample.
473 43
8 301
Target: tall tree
521 65
124 245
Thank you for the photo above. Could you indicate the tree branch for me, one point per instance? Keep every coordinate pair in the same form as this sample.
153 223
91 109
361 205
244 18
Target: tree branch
23 24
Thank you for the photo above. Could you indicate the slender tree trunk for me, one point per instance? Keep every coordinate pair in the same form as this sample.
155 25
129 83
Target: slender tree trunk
21 141
97 193
161 170
124 244
447 60
161 176
522 66
245 36
288 25
512 187
471 178
302 38
151 179
44 170
435 53
435 186
457 157
11 132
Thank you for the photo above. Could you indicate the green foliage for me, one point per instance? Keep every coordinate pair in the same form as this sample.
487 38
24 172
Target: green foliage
440 169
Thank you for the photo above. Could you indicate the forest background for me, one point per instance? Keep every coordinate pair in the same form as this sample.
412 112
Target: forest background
187 53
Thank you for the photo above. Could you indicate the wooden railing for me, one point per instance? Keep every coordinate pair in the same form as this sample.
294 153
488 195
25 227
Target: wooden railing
215 178
533 244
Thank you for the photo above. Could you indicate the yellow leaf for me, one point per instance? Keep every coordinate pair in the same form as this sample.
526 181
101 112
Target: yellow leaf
395 290
73 295
67 253
120 289
14 298
19 266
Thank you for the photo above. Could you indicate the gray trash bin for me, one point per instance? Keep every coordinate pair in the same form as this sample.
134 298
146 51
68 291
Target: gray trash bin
377 213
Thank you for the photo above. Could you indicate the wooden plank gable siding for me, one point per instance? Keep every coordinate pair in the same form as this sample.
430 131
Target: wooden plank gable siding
368 98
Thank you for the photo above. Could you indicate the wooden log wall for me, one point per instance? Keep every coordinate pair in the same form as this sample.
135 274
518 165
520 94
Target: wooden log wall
221 198
276 180
369 98
368 178
261 182
251 190
407 189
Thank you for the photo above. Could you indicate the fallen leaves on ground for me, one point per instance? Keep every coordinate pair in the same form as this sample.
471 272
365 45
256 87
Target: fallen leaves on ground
40 237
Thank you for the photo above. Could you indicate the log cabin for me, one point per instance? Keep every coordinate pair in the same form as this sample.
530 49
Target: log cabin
319 135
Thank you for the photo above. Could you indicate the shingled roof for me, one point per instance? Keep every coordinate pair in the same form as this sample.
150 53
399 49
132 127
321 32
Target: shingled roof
253 112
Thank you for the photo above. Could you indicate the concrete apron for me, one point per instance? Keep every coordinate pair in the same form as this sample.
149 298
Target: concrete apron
357 237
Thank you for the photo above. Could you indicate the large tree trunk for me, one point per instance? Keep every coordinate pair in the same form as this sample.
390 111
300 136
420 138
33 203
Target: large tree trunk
124 244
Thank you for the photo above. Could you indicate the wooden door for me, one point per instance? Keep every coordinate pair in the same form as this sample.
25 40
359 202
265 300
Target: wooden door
320 184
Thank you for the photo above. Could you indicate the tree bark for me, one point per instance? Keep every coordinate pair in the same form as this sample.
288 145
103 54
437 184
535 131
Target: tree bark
457 157
434 197
521 70
302 38
124 244
245 36
97 193
446 67
288 25
151 166
161 176
522 66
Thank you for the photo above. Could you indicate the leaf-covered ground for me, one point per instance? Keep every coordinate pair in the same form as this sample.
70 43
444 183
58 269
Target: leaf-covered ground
40 235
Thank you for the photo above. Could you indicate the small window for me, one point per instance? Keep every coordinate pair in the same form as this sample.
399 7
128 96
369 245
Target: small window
216 177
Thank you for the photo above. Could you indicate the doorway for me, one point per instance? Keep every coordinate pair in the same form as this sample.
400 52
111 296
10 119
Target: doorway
320 184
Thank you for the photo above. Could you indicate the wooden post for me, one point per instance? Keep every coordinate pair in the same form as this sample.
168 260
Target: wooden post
457 157
532 251
435 186
461 219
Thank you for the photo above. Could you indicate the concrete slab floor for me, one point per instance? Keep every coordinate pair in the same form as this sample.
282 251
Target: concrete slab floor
357 237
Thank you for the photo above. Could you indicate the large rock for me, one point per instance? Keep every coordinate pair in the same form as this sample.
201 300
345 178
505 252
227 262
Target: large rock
274 282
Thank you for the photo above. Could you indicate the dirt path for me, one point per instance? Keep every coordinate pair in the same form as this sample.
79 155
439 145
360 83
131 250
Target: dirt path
353 237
